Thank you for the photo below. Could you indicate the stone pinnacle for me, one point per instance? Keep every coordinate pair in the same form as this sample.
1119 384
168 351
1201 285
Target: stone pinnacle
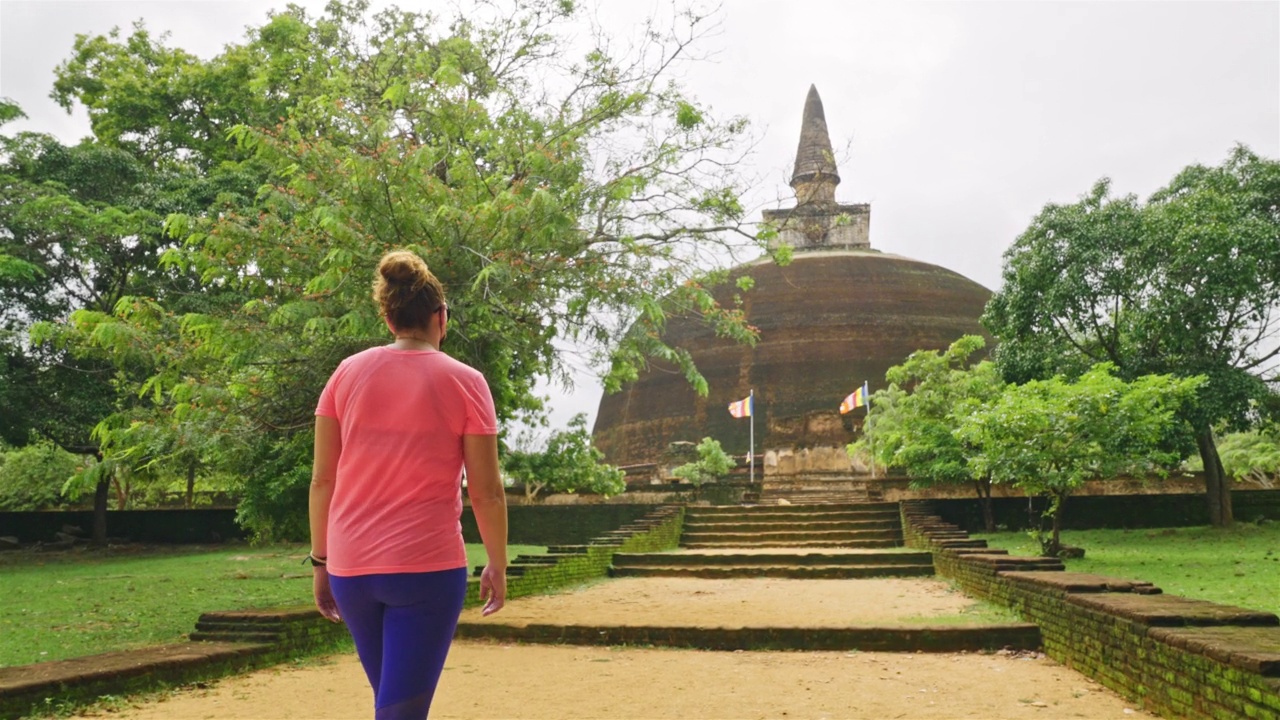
815 175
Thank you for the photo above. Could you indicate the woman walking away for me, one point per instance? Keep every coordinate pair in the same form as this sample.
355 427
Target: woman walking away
395 427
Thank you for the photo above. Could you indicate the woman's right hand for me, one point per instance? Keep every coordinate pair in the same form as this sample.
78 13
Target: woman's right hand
493 588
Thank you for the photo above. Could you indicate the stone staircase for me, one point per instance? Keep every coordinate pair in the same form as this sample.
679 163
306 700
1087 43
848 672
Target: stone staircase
828 564
521 564
847 525
822 541
818 489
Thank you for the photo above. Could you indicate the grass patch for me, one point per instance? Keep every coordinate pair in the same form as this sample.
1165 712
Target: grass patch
83 602
1235 566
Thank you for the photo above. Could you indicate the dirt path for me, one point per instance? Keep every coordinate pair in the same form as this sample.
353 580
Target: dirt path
554 682
768 602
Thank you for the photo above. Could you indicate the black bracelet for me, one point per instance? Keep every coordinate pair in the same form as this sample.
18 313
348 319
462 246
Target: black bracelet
315 561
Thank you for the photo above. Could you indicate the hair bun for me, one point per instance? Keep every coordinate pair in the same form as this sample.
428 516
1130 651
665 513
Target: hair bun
404 269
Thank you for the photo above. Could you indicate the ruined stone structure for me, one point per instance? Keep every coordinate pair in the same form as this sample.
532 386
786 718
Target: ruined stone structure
841 313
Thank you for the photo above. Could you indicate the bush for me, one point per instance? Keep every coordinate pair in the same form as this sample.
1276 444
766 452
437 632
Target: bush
31 477
712 464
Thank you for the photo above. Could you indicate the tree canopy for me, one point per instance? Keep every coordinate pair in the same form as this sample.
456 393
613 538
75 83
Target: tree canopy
567 195
567 463
1186 283
1049 436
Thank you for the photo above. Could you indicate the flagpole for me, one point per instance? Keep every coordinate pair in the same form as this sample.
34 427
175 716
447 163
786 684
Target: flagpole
866 392
751 451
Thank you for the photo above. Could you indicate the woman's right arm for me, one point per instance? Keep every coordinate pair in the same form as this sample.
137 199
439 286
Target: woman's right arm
489 503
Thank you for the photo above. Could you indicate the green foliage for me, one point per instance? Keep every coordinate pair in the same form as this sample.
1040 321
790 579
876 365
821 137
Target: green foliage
913 419
713 464
1185 284
1252 454
32 477
1048 437
579 212
566 464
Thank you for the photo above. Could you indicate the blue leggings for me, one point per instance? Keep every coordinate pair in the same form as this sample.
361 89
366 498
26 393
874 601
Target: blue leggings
403 624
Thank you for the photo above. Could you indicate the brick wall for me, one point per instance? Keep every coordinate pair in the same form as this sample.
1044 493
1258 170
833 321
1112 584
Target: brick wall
1175 656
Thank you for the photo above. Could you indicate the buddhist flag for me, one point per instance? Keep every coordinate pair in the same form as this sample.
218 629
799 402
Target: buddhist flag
742 408
856 399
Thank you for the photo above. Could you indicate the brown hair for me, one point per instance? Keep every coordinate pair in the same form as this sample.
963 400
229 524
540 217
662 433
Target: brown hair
406 291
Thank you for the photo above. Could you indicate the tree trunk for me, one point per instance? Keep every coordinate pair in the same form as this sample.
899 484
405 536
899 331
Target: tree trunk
1057 529
983 488
100 496
1217 485
191 485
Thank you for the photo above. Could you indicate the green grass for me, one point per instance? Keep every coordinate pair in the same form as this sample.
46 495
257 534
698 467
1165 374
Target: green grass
1236 566
60 605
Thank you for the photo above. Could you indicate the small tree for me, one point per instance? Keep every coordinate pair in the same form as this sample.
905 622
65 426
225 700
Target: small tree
712 464
1252 455
568 463
911 427
1049 436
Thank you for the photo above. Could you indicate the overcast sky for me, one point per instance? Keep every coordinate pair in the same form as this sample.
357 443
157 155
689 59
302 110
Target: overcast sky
962 118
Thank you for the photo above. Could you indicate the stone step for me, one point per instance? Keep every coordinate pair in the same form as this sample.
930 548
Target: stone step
795 525
807 572
717 536
855 544
767 514
872 506
748 559
234 636
941 638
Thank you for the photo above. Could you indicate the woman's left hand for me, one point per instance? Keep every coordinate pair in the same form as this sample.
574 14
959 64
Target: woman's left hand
325 603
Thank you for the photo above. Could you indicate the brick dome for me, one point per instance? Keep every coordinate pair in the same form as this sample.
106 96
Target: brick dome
828 321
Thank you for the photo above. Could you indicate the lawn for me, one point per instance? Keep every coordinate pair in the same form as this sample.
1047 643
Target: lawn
1236 566
60 605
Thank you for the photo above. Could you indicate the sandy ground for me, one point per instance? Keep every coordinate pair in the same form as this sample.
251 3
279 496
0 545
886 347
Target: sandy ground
757 602
554 682
485 680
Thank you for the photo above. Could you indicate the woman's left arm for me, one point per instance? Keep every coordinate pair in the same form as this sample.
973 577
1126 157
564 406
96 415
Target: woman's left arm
324 473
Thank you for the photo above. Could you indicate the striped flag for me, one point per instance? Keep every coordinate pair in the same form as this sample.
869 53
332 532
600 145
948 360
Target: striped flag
856 399
742 408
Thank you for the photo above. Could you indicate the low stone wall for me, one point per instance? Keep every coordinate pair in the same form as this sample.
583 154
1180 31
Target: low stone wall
1175 656
595 558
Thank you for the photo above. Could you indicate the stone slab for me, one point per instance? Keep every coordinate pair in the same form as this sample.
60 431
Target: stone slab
949 639
1172 611
51 676
1075 582
1254 649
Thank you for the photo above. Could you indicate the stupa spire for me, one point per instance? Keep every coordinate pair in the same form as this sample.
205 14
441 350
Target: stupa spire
815 176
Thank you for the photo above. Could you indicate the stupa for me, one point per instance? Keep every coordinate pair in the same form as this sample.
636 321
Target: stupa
839 314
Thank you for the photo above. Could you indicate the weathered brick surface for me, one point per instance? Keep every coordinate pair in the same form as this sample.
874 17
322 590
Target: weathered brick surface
1176 656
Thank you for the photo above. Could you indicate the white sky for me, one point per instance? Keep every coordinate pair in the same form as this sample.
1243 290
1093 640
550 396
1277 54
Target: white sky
963 118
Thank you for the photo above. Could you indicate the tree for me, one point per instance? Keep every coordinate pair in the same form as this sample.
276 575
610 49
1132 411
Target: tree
1186 283
1049 436
79 230
914 418
585 210
567 463
712 465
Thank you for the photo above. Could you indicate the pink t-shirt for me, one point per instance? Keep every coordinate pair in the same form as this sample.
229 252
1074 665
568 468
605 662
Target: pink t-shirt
398 495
